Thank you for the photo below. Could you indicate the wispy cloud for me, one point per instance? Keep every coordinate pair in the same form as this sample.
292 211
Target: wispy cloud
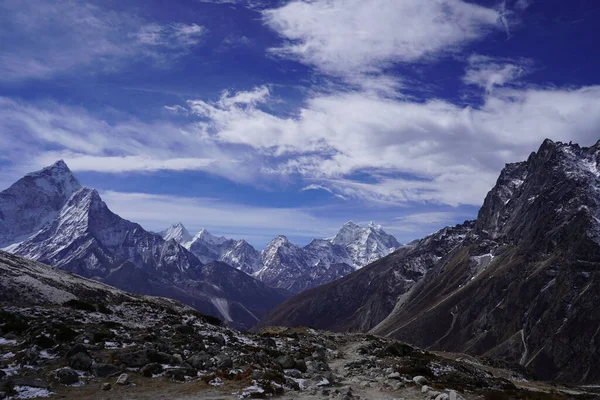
488 72
42 39
155 212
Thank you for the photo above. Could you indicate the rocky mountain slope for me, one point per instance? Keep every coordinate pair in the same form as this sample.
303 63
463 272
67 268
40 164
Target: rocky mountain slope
520 283
65 336
34 200
282 264
364 298
87 238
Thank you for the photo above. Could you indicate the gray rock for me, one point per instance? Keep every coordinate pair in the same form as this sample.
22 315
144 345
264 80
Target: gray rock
421 380
425 389
201 361
442 396
149 370
106 386
223 361
67 376
286 361
184 329
123 379
135 359
81 361
395 375
105 370
452 395
319 355
177 359
78 348
301 365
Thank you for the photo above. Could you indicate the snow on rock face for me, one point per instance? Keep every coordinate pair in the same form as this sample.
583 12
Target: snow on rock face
178 233
365 245
33 201
562 174
286 265
89 239
237 253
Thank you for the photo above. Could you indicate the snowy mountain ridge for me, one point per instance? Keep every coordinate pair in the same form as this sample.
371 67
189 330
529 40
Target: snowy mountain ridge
283 264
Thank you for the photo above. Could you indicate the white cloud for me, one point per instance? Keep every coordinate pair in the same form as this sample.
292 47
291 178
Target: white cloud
48 132
175 36
488 72
412 152
343 37
42 39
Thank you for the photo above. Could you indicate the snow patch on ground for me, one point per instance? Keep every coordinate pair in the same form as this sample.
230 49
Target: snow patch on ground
27 392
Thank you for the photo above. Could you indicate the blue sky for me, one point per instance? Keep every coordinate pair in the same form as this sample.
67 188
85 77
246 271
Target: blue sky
254 118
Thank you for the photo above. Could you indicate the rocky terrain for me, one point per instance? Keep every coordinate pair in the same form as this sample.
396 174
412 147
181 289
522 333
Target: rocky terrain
520 283
68 337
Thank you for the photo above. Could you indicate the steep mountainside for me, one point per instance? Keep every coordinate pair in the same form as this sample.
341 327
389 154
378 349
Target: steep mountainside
34 200
525 285
522 285
364 298
88 239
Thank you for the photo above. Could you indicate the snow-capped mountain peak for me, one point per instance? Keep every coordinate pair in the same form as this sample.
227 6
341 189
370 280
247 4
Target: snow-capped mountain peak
33 201
365 245
209 238
177 232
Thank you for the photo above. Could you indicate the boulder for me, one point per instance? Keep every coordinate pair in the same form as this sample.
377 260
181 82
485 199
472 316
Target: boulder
78 348
105 370
67 376
134 359
301 365
201 360
286 361
149 370
80 361
223 361
421 380
395 375
184 329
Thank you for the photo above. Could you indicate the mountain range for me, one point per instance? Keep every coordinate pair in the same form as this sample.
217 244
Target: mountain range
77 232
520 283
285 265
49 217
